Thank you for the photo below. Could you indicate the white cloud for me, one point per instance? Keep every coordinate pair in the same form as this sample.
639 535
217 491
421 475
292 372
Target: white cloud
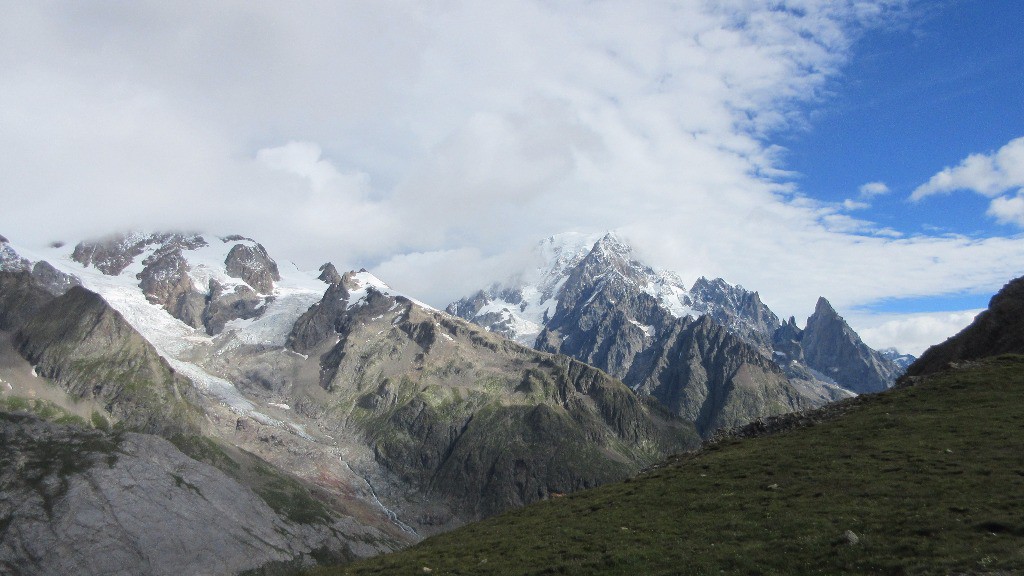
872 189
987 174
911 333
432 141
850 204
1008 210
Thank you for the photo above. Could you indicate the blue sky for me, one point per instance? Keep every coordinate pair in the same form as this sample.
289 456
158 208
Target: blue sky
918 95
913 98
435 142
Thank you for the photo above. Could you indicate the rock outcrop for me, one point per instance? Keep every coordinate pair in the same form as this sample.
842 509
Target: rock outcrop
253 265
165 281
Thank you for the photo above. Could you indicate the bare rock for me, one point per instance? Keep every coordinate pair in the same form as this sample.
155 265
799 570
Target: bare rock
241 303
165 281
53 280
254 266
329 274
85 502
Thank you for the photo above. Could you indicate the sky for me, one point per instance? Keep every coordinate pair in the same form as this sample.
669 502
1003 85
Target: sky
868 151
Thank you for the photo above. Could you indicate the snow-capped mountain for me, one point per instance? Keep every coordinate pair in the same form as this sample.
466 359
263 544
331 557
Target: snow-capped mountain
404 420
519 309
826 363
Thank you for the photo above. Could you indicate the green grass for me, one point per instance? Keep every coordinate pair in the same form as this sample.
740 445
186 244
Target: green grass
930 478
44 409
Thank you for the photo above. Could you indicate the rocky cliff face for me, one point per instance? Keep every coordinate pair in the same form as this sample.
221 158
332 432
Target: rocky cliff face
253 265
997 330
78 501
165 281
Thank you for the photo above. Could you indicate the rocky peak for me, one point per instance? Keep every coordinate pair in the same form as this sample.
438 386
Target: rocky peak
834 349
112 254
11 260
739 310
823 308
329 274
252 264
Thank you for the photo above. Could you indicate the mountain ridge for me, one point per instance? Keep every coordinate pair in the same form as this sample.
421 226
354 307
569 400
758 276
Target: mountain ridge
639 304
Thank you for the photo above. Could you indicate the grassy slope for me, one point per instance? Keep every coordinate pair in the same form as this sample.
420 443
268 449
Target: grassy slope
930 478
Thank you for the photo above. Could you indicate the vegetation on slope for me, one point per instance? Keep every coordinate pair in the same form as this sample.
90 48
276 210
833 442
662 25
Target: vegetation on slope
924 479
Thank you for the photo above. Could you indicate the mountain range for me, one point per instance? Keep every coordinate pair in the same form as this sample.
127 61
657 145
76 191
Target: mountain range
713 354
924 478
325 416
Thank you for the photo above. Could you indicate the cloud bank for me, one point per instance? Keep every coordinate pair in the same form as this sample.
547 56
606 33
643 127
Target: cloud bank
436 141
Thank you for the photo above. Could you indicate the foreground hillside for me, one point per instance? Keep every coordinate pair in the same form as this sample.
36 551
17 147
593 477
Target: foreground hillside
924 479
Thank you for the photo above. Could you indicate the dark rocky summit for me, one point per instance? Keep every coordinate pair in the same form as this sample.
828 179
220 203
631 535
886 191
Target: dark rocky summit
830 346
329 274
254 266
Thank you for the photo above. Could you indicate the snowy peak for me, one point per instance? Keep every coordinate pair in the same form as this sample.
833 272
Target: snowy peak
739 310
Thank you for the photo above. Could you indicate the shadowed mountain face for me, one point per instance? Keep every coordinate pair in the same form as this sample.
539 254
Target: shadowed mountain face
831 347
997 330
87 347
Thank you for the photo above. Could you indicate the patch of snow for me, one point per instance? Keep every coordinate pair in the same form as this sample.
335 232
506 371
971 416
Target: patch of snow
647 328
264 419
278 405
